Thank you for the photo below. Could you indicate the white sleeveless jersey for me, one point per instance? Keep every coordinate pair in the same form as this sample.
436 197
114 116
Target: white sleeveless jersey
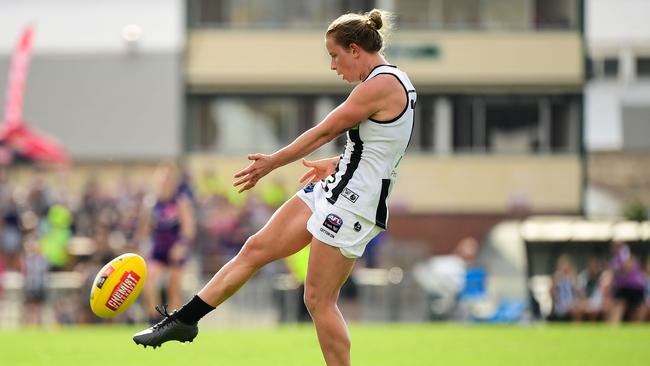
367 171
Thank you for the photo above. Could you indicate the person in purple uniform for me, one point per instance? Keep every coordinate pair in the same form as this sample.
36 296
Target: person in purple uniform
628 285
169 222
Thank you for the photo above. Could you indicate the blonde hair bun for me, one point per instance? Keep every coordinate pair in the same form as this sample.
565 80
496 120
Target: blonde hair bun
366 30
375 19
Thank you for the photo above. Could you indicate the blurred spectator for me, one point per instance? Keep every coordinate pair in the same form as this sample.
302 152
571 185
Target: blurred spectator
254 215
34 268
297 264
39 198
10 232
185 184
225 236
89 208
56 237
370 256
2 272
274 194
210 184
628 287
443 277
647 289
106 224
592 290
129 221
564 291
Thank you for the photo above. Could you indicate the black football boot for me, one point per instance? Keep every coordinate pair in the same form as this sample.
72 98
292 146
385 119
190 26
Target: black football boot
168 329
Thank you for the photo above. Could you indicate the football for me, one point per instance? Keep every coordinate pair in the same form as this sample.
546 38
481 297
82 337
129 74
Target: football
117 285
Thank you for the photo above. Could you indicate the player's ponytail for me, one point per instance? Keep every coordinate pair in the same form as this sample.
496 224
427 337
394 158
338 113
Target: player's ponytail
367 30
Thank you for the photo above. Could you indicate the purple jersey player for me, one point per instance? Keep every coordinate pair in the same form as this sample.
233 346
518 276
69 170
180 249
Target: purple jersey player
169 221
628 286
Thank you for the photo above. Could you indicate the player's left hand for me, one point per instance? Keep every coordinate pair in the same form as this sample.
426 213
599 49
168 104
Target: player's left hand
262 165
319 169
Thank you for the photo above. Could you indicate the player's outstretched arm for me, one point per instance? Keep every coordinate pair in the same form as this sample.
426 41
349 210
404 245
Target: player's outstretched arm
362 103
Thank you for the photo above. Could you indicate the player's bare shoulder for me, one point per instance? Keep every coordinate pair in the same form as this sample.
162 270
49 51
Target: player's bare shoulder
389 95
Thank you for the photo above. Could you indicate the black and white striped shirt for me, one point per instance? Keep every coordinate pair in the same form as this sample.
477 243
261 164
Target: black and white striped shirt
367 170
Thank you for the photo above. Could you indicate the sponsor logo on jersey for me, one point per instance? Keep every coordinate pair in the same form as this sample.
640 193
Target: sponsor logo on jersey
122 290
308 188
357 226
333 222
104 276
350 195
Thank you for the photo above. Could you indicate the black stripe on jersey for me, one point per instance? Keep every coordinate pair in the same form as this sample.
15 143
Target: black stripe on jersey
353 164
333 175
412 127
410 135
375 68
407 99
382 209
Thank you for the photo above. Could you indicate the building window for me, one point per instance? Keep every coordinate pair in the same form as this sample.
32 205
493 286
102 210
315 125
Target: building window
590 71
416 14
271 13
556 14
461 14
511 128
564 127
464 123
505 14
636 127
425 121
207 127
245 124
643 67
610 67
598 68
411 14
208 11
229 124
515 124
492 124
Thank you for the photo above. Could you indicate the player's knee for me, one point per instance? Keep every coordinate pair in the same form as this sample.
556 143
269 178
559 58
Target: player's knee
316 301
310 299
254 251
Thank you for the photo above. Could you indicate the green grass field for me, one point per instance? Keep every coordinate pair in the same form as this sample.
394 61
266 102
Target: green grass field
402 345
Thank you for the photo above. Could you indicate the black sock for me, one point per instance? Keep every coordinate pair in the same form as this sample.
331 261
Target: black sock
194 310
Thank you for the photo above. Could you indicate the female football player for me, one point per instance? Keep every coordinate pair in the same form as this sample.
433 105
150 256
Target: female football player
342 208
169 222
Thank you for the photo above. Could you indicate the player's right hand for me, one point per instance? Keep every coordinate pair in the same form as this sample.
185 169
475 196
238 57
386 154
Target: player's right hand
319 169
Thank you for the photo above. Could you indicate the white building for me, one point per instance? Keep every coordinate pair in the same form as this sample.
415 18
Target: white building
617 103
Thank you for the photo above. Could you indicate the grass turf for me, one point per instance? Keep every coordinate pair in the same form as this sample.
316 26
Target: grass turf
402 345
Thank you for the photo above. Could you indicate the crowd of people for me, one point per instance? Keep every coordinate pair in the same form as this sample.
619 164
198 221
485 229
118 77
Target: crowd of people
45 228
616 290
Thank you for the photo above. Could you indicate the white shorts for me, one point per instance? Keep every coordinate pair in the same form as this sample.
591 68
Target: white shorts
336 226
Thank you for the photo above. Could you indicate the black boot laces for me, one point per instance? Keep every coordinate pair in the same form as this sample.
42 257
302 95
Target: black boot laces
168 318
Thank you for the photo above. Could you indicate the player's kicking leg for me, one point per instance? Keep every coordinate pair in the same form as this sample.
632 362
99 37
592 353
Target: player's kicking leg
284 234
